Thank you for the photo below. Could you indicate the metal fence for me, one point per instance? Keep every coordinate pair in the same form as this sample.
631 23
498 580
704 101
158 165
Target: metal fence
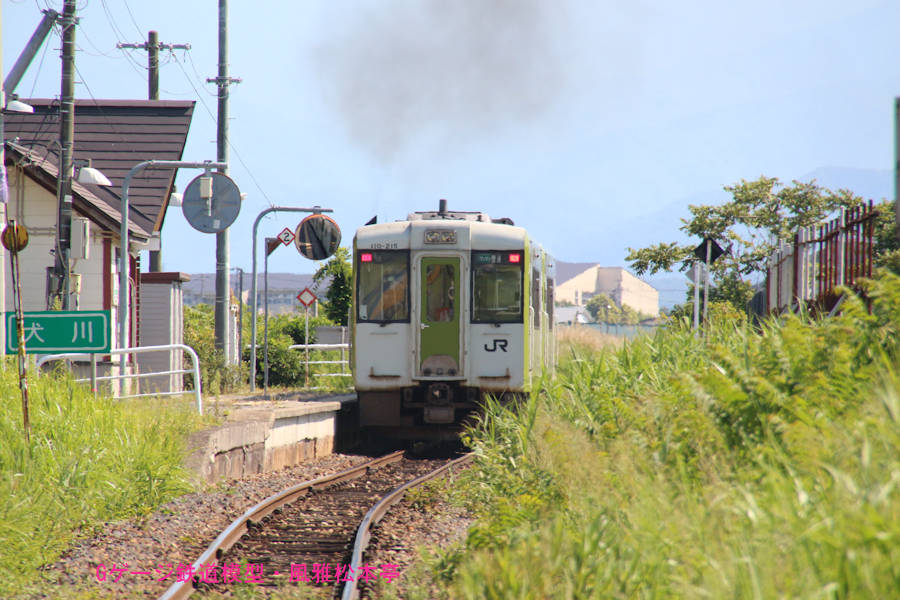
820 259
93 379
622 330
330 339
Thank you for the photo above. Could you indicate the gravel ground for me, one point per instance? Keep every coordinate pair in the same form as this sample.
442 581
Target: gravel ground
176 533
181 530
421 521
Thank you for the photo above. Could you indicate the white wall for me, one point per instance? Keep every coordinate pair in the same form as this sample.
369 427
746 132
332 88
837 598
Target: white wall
37 211
620 285
161 324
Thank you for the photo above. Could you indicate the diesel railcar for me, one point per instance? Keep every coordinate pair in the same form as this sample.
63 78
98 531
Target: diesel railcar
447 307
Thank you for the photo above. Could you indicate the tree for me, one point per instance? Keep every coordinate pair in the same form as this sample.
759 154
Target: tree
603 308
761 214
340 293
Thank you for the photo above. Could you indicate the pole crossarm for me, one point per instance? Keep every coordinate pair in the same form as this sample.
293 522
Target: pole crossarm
314 210
123 239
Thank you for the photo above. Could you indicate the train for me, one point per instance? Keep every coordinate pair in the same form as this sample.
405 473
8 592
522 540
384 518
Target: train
448 306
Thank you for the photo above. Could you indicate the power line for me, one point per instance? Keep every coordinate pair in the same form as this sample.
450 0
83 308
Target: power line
130 14
40 66
227 140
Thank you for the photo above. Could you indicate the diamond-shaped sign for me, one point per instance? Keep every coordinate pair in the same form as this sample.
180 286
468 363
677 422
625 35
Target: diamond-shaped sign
306 297
715 250
286 236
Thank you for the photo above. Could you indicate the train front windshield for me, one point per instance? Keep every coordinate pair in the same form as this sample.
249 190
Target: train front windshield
497 287
383 286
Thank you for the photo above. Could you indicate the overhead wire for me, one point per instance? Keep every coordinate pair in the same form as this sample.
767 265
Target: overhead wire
40 66
131 14
120 37
228 140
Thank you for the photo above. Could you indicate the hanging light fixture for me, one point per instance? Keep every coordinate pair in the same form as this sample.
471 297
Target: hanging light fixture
88 174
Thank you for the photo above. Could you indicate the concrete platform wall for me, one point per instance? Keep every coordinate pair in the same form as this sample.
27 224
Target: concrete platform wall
258 440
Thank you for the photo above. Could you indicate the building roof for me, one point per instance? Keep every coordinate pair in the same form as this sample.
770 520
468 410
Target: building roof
566 271
88 200
116 135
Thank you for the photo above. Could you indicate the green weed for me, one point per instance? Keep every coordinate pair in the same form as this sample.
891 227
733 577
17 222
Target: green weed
89 460
752 461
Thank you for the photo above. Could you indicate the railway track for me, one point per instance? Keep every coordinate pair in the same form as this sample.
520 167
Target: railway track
314 533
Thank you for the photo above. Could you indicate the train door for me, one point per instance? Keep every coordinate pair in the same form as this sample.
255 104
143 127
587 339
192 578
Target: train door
439 318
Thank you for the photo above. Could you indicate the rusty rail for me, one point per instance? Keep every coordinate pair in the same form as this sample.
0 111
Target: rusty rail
379 510
183 589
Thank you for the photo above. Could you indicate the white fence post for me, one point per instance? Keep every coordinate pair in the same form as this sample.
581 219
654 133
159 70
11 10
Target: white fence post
195 369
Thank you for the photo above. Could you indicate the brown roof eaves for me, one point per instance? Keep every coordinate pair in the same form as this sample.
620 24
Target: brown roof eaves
84 199
116 135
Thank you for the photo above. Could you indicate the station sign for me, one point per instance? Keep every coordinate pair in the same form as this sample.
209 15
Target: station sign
47 332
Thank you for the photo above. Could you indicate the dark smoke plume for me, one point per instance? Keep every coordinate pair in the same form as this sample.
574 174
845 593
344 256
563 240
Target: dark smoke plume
455 69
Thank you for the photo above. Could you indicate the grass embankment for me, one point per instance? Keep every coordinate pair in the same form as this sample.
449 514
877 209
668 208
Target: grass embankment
89 461
754 463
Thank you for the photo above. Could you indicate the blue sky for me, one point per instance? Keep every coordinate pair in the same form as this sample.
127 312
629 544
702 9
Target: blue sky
591 123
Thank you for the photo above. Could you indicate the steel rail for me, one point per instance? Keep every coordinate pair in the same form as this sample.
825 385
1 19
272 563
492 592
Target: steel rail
183 589
378 511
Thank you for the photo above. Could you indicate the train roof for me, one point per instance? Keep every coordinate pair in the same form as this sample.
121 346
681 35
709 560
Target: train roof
442 214
443 229
444 234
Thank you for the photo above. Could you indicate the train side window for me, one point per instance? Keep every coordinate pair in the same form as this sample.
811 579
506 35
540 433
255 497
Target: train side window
382 286
497 287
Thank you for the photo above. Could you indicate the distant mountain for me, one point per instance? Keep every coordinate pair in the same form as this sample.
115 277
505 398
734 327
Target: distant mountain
202 286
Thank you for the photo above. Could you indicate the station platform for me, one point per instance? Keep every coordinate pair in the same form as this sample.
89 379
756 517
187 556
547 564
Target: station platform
263 434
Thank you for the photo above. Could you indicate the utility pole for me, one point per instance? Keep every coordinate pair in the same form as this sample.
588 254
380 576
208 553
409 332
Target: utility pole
153 46
67 142
222 82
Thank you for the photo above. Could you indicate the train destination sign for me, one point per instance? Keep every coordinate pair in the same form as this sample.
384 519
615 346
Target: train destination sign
60 331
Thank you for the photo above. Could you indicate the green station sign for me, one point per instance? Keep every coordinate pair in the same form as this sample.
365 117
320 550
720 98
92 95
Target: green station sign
47 332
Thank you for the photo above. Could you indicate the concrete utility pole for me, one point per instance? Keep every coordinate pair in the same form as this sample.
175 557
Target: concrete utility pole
67 142
153 46
222 81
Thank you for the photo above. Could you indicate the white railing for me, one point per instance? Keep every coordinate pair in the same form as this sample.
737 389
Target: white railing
195 369
325 347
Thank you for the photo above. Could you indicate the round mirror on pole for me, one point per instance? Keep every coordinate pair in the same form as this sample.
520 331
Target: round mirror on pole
211 202
317 237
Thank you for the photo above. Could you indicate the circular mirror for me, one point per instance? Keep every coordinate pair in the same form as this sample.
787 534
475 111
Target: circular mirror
317 237
211 202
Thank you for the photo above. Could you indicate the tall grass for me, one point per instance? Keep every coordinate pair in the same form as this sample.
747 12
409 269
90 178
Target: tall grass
752 462
89 460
